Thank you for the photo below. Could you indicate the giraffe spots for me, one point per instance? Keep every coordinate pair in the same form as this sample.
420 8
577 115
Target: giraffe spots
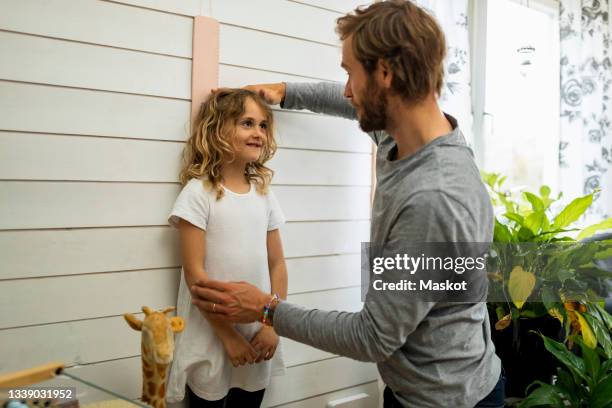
148 374
151 389
162 390
161 370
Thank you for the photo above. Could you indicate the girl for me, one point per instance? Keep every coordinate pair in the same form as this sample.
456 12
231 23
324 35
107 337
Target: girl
228 224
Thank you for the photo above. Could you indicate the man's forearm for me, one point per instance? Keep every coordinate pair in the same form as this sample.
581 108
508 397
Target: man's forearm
343 333
323 97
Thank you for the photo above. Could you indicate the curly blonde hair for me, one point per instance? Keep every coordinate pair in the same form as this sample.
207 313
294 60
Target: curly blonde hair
211 141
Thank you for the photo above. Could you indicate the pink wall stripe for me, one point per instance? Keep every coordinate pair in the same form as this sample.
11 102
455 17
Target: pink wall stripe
205 64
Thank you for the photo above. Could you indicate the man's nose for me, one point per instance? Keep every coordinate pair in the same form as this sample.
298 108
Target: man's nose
347 90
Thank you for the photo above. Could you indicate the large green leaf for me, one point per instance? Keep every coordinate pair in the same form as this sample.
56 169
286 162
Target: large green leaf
525 235
606 318
603 335
515 217
601 397
606 253
573 362
591 230
565 382
501 233
535 201
606 367
545 395
591 362
534 222
549 297
572 212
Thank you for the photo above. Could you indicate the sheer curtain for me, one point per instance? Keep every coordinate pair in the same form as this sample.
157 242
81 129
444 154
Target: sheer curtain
585 150
456 96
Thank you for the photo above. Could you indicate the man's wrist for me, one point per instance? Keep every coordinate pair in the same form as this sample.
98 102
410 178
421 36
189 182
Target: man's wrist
269 309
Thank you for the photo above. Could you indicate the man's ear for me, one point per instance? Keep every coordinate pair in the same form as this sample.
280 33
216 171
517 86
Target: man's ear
383 73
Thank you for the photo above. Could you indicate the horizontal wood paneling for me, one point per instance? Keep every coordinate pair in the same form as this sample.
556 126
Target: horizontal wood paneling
101 22
185 7
94 67
340 6
34 253
39 108
324 238
29 205
297 21
26 157
307 167
111 69
83 296
28 254
318 378
96 339
321 273
319 401
320 132
251 48
235 76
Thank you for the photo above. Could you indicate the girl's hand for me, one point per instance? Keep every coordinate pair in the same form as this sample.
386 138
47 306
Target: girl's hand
265 343
239 351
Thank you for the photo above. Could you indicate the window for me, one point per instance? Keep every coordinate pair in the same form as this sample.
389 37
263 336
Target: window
516 90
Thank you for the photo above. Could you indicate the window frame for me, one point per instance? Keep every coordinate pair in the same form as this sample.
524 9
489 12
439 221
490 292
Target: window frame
477 15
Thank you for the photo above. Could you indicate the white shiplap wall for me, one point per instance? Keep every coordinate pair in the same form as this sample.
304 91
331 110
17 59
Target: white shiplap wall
94 109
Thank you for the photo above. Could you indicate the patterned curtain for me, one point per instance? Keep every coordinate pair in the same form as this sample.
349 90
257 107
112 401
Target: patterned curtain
585 150
456 97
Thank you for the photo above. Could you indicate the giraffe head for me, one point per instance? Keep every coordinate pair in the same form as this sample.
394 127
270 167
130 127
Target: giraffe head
157 333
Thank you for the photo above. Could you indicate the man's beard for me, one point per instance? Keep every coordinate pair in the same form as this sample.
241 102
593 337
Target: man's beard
373 109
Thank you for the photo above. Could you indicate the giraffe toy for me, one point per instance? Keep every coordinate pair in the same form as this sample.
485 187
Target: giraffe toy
157 347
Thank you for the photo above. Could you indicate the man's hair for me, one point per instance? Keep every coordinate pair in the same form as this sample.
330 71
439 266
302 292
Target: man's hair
404 35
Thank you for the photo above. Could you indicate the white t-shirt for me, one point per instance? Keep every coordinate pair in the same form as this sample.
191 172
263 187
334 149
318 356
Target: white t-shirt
236 230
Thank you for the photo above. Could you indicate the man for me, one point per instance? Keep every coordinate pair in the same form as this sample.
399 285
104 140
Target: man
430 354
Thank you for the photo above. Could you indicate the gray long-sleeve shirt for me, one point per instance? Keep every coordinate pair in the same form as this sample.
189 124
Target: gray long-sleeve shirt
431 354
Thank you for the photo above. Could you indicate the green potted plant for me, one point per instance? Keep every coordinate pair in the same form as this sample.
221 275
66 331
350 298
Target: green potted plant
584 377
542 279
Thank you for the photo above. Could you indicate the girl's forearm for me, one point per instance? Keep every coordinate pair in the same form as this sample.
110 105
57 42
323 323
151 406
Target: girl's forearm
278 279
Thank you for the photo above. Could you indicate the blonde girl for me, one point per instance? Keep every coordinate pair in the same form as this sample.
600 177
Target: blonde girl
228 221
